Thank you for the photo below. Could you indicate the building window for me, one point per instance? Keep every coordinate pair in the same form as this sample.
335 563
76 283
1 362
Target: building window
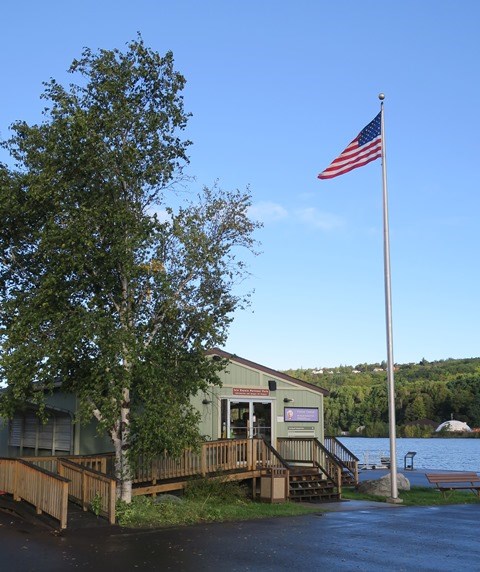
29 436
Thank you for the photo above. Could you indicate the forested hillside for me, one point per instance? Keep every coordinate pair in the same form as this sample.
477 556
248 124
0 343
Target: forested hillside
436 390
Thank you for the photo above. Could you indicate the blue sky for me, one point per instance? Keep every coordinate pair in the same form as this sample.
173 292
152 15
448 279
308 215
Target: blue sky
277 89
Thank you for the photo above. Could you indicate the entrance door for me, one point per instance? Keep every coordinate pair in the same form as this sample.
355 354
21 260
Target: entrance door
262 420
247 419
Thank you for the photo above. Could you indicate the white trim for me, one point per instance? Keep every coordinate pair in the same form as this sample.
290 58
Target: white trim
251 401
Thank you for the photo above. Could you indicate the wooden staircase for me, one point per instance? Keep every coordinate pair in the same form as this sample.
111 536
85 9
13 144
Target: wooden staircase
309 485
317 472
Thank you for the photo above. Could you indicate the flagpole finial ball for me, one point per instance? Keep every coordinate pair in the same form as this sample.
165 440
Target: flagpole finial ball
381 96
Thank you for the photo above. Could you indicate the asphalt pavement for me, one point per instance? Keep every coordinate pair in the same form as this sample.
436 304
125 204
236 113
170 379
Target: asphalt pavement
362 538
345 536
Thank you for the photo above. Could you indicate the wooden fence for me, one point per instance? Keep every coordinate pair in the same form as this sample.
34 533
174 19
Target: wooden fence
46 491
89 488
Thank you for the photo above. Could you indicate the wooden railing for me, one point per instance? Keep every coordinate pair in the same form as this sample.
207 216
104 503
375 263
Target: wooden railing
213 457
268 457
102 463
46 491
89 488
343 455
275 468
309 451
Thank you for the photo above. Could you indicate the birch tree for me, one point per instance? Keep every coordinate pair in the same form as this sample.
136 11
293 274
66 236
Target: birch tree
104 286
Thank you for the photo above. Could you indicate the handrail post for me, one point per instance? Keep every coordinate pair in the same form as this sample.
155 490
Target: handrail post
84 490
203 461
64 509
15 487
249 454
112 502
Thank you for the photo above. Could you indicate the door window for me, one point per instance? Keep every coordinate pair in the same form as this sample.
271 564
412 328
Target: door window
246 419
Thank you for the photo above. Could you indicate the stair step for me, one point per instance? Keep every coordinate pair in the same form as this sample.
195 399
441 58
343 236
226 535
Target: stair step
312 485
296 478
315 498
312 488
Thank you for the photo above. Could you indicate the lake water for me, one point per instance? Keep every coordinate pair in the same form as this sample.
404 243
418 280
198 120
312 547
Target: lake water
446 454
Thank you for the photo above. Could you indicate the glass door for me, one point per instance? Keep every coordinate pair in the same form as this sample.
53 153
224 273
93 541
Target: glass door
239 420
246 419
262 420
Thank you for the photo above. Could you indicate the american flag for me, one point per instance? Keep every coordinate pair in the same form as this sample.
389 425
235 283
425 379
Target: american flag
366 147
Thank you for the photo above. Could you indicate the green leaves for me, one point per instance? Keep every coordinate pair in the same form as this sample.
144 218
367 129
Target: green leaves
433 391
95 292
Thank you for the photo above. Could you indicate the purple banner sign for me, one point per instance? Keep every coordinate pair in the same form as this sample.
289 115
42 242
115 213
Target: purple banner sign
300 414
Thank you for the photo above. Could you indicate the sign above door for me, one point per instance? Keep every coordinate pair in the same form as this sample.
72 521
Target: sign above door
251 391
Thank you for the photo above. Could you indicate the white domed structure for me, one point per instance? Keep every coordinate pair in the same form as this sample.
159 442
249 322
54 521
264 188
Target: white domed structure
453 426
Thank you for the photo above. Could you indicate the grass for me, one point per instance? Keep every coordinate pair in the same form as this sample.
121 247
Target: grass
419 496
217 500
204 500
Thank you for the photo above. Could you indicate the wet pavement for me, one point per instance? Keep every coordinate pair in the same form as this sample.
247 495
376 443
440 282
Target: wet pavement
344 536
366 538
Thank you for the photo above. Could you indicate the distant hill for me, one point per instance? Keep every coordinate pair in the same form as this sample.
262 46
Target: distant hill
434 390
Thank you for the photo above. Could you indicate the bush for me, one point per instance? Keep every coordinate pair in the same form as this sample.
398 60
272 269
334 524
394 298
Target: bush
217 489
206 500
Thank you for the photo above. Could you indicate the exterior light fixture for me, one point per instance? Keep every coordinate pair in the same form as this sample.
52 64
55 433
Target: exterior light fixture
288 400
206 401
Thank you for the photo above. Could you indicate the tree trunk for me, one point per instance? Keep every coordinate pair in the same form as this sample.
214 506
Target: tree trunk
122 471
121 441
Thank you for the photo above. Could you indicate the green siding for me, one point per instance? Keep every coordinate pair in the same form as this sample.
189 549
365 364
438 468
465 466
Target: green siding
3 438
241 376
88 441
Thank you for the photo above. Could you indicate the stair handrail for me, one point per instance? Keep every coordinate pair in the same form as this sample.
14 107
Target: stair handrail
273 471
276 454
350 457
328 476
341 446
337 459
336 462
311 456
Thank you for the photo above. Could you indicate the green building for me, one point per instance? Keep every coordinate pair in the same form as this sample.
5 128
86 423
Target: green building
256 401
252 401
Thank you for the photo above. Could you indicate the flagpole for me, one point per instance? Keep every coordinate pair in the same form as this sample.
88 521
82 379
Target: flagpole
388 315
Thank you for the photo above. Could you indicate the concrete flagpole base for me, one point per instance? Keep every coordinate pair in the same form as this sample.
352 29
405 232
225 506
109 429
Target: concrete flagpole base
391 500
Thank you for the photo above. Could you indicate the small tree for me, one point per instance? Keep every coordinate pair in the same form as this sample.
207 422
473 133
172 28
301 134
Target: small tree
97 290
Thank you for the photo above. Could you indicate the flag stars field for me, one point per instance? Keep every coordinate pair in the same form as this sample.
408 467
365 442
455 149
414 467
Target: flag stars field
366 147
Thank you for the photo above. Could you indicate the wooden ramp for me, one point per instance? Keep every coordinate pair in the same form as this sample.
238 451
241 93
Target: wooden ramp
310 471
313 473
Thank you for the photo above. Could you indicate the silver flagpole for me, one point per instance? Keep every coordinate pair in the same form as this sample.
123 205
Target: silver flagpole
388 313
